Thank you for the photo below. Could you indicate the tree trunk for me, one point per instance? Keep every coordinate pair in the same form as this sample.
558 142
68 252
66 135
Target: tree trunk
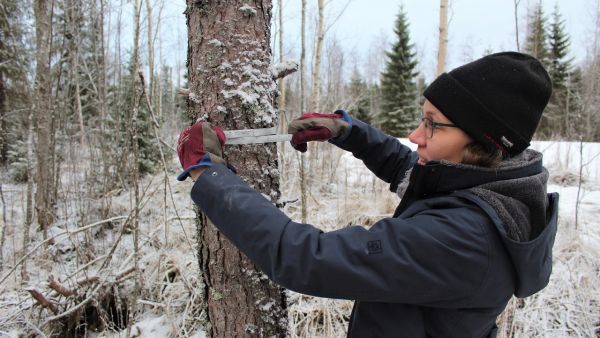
314 147
136 92
43 104
29 198
303 188
516 4
231 85
3 129
74 28
316 75
443 38
2 229
283 120
150 91
282 80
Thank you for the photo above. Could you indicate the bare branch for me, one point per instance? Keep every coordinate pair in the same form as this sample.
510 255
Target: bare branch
42 300
61 289
283 69
185 92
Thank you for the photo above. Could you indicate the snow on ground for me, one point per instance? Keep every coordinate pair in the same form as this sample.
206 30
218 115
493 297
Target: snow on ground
169 302
341 192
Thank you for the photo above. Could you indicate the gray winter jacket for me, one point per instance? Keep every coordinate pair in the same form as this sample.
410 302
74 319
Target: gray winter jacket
462 241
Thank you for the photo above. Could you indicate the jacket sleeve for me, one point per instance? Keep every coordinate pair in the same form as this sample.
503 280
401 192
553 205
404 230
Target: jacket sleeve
425 259
383 154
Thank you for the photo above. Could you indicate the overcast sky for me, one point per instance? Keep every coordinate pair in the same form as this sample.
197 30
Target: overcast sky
475 26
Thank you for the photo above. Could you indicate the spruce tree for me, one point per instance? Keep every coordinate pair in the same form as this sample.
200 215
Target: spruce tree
15 86
359 94
536 43
558 41
399 109
573 122
559 68
118 129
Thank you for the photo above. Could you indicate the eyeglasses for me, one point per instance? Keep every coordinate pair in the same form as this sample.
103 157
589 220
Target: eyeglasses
430 125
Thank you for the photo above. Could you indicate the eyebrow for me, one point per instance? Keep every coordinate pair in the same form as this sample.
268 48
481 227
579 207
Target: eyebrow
429 113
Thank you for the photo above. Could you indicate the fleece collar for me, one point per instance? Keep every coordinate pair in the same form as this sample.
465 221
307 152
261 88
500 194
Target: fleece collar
441 176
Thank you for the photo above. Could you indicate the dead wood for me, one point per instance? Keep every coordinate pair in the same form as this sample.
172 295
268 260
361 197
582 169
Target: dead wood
42 300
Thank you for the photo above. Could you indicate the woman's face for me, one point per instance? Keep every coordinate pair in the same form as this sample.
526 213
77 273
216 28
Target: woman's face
446 143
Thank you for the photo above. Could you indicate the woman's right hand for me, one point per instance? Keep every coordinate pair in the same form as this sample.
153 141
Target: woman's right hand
318 127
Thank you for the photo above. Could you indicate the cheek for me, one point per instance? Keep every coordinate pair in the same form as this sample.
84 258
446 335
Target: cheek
449 150
456 149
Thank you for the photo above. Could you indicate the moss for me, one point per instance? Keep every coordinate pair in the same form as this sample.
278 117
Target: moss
215 294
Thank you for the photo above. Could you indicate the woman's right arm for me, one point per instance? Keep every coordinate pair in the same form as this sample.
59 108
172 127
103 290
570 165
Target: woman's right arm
383 154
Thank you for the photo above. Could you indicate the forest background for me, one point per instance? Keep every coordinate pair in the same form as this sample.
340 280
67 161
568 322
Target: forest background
97 238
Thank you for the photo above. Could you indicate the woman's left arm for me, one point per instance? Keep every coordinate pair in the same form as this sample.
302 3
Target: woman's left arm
423 260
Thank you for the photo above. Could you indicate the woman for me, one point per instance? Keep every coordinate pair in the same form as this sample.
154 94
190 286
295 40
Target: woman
474 225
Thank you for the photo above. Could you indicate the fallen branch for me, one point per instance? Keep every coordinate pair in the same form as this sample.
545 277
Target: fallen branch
74 308
123 275
56 286
91 295
88 280
42 300
147 302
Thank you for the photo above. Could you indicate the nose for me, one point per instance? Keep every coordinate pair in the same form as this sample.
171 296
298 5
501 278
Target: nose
418 136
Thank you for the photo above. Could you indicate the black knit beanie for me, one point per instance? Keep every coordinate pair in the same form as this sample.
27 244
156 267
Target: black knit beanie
498 100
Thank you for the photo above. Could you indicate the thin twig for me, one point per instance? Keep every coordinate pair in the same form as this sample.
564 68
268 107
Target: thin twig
141 205
162 158
578 200
48 240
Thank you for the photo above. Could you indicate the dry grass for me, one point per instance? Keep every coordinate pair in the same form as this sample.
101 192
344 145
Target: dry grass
568 307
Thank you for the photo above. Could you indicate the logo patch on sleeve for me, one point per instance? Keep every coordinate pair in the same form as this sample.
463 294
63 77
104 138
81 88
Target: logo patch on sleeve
374 247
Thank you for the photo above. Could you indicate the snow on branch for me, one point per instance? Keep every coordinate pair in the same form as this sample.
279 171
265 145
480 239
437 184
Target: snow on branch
284 69
185 92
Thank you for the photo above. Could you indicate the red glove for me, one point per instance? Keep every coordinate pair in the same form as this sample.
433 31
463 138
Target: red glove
200 145
318 127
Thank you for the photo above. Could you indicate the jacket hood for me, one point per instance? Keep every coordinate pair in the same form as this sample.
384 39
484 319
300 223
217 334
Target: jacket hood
514 196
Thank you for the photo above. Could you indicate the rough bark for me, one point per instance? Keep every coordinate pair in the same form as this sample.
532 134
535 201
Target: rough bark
231 85
443 38
43 104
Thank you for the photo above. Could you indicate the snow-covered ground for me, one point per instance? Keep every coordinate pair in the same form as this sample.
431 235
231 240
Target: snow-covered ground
568 307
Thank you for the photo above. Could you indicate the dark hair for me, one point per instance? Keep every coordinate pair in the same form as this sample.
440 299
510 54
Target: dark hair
475 153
